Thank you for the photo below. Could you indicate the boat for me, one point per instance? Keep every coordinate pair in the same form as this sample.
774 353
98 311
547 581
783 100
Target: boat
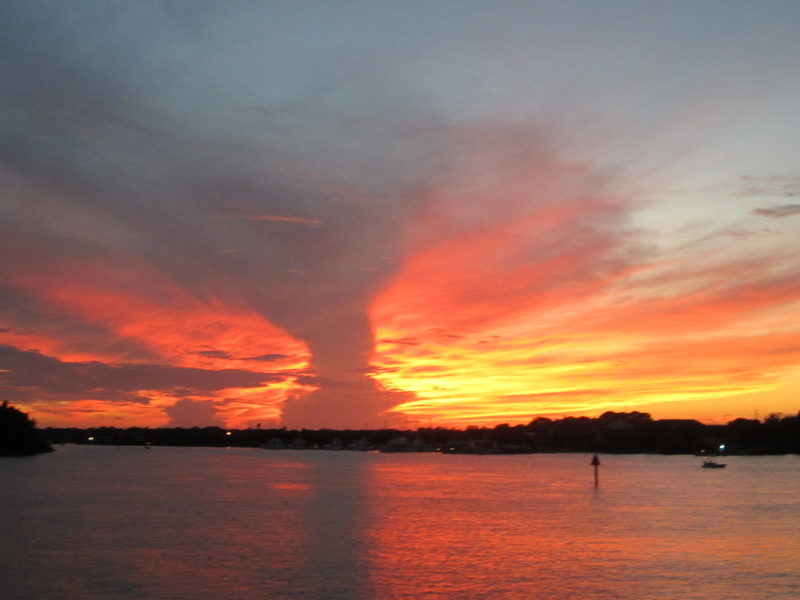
710 463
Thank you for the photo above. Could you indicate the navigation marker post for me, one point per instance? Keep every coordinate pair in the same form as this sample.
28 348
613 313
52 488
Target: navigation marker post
595 463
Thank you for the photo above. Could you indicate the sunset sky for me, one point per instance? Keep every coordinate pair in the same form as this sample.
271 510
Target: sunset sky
407 213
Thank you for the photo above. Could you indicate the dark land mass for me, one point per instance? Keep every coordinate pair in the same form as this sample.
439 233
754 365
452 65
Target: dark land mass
613 432
18 434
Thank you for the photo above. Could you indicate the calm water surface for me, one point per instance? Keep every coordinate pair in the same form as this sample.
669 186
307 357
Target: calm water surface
103 523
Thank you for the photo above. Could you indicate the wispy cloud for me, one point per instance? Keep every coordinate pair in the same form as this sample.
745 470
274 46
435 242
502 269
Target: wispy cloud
786 187
278 219
778 212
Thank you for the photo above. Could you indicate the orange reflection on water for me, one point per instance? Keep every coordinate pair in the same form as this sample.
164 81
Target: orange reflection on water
316 524
534 527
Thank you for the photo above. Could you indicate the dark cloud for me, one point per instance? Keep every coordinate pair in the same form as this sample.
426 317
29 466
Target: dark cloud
228 356
193 413
28 372
32 316
214 354
778 212
408 341
266 357
366 400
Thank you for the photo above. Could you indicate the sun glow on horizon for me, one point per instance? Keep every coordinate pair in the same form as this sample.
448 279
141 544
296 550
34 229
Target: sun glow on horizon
670 334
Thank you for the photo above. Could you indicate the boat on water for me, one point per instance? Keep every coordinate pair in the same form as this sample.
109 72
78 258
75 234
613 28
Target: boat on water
710 463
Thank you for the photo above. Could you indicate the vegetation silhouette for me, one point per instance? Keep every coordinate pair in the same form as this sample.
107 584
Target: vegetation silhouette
612 432
18 434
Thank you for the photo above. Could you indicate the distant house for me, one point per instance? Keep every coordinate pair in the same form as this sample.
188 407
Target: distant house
403 444
360 444
471 447
680 423
619 425
273 444
336 444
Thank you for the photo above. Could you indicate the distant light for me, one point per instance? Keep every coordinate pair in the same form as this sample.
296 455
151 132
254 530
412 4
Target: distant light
227 433
91 439
722 446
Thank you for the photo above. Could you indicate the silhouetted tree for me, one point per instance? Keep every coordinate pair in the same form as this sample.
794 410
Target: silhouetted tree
619 432
18 434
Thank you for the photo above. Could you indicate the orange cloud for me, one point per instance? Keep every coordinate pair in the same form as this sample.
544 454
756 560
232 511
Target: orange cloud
548 364
134 316
136 304
542 302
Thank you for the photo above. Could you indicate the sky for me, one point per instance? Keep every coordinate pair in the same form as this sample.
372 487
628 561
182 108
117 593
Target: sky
398 214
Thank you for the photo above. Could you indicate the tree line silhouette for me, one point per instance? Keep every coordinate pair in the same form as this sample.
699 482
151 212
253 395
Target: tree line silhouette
612 432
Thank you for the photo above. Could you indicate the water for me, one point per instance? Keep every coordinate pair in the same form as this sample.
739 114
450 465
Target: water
103 523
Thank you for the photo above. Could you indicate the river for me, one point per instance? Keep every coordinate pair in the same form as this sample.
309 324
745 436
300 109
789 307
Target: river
107 523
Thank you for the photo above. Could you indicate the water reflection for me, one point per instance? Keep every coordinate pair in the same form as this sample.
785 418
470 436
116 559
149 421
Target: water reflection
282 525
335 519
533 527
458 524
101 524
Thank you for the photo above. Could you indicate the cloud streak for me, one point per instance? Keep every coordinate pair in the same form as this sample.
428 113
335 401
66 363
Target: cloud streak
26 369
778 212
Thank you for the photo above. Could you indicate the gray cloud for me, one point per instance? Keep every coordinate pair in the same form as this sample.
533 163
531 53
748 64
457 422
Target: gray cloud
26 373
228 356
31 316
778 212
